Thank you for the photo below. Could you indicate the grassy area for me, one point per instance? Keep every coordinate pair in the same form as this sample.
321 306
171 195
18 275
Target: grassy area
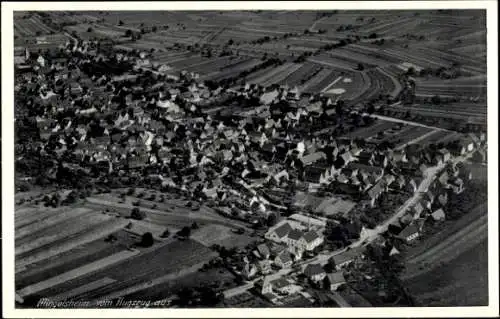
461 282
219 278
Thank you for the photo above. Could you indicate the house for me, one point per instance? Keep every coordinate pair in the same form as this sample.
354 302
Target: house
280 233
443 155
375 191
264 266
312 158
467 143
417 210
334 280
394 251
457 185
265 285
409 233
438 215
443 198
293 237
283 260
282 285
346 257
249 271
315 272
310 240
263 251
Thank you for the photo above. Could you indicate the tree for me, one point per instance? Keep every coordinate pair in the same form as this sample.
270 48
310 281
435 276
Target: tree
271 220
120 23
194 226
165 234
436 99
147 240
128 33
90 29
137 214
184 232
360 67
154 29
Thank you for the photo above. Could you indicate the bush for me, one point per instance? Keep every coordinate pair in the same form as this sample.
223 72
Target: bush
137 214
184 232
165 234
147 240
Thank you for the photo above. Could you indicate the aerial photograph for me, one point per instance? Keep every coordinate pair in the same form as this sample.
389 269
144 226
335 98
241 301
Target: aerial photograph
250 159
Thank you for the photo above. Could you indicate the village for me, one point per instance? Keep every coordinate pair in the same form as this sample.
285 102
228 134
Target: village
319 198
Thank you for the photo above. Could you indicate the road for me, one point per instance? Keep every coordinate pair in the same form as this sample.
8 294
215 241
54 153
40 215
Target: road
392 119
417 139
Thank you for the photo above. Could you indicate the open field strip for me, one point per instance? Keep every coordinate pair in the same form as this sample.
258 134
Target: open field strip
230 72
92 234
331 84
82 289
341 66
270 74
397 85
416 140
157 281
155 215
57 232
323 74
30 216
72 259
78 272
418 59
34 227
282 75
450 249
193 67
139 227
164 258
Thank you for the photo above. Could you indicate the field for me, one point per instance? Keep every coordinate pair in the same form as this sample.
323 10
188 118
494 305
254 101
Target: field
31 26
65 252
220 235
126 268
456 283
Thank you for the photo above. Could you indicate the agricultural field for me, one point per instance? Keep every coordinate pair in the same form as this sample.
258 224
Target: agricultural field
31 26
439 270
126 269
221 235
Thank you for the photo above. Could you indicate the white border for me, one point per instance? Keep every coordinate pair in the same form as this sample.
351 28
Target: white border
9 310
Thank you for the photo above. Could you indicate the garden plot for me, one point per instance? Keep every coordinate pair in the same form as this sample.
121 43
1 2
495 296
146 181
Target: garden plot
30 214
277 78
327 77
71 242
233 71
373 130
59 231
78 272
268 75
50 221
173 258
300 75
74 258
68 295
211 234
